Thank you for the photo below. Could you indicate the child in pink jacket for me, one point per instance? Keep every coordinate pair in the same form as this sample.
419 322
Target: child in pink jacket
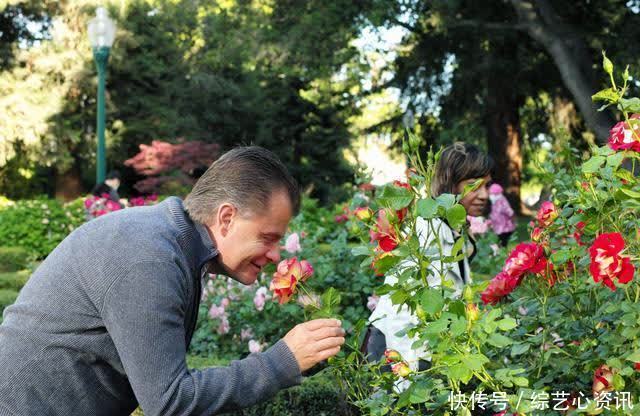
501 215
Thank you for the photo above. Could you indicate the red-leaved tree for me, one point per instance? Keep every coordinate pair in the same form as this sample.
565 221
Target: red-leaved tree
169 166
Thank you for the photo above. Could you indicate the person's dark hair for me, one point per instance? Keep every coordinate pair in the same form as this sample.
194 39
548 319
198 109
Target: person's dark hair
458 162
114 174
246 177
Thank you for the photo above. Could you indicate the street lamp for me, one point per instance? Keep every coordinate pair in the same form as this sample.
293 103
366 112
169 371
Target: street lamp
102 31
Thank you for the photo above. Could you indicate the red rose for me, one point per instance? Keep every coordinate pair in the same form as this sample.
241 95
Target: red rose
499 287
602 380
547 214
622 136
383 232
526 257
607 263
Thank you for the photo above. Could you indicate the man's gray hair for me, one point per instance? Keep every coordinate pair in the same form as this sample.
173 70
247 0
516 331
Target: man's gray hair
246 177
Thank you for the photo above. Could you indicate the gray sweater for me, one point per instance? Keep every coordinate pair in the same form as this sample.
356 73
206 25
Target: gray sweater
105 322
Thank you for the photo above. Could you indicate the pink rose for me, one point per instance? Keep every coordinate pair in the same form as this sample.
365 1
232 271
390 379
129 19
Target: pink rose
292 244
246 333
260 298
254 346
372 302
223 328
216 311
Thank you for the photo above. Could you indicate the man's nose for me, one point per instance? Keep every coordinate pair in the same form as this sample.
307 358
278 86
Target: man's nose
274 254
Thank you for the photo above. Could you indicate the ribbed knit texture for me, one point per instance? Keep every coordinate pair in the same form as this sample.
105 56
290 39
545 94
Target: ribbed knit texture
105 322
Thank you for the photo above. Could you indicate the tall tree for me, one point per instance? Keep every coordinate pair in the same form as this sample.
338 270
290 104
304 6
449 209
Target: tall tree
220 72
502 55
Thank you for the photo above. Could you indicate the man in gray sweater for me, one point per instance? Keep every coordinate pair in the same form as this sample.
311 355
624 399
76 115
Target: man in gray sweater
105 322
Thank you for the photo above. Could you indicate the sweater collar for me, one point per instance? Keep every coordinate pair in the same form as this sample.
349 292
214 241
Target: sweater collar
194 236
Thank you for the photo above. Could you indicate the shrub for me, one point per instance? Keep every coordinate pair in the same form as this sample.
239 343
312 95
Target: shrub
13 259
39 225
14 280
7 297
317 396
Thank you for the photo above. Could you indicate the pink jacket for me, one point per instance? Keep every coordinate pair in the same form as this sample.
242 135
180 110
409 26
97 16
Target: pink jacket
502 216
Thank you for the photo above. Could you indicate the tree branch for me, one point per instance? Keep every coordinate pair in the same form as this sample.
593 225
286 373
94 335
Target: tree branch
478 24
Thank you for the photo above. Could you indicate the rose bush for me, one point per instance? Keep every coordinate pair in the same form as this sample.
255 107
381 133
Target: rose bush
562 316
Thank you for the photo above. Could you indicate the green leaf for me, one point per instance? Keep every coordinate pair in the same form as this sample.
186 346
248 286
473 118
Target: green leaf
458 327
498 340
626 175
360 251
507 324
592 165
427 208
560 257
395 197
385 263
634 356
460 372
432 301
330 299
399 296
457 246
517 349
520 381
615 159
456 216
446 201
474 362
630 105
630 193
609 95
420 392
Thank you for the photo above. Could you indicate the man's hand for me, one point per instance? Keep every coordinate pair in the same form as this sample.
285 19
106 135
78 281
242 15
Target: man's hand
315 341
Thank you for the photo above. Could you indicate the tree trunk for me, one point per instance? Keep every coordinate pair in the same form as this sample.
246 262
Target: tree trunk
69 184
569 52
503 137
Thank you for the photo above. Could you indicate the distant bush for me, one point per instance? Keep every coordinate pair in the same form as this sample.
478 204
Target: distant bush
13 259
14 280
39 225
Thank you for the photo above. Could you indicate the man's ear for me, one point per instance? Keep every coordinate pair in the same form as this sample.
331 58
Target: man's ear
225 216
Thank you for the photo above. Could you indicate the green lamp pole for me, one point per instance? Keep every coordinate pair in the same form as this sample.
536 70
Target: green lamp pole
101 35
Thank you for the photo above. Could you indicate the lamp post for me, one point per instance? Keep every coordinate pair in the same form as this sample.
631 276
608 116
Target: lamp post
102 32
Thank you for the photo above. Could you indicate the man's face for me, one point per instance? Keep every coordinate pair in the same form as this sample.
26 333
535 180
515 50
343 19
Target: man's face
248 242
475 201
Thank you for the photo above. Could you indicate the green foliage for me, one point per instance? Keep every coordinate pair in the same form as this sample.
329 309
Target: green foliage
327 246
552 329
228 73
7 297
14 280
317 395
13 259
39 225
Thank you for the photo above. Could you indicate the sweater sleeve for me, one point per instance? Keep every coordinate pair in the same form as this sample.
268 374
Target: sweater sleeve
144 313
